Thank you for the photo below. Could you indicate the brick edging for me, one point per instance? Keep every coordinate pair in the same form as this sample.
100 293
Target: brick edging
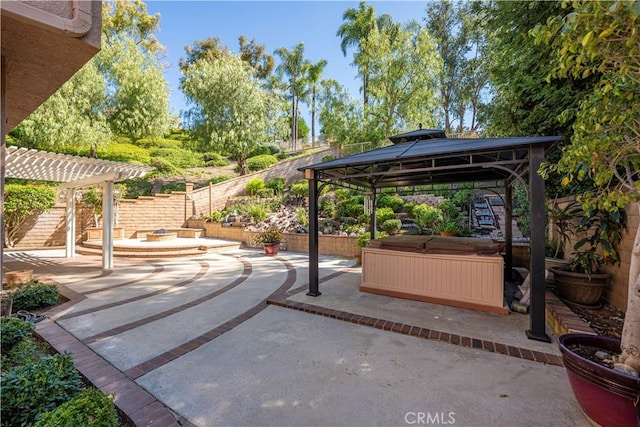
138 405
426 333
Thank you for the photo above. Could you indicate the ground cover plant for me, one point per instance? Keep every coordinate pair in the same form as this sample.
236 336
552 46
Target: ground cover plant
44 389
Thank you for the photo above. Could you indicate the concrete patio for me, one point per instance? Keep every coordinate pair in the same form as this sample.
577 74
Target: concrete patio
231 339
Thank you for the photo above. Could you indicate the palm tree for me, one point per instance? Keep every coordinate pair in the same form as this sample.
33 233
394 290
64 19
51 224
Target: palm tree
314 72
358 24
294 66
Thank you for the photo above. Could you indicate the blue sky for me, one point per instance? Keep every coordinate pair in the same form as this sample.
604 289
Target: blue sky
272 23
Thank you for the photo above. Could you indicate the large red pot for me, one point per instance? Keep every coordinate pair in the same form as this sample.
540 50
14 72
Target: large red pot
607 397
271 248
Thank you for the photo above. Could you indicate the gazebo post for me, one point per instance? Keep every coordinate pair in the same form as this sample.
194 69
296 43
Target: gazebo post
312 176
508 229
107 226
70 223
372 219
536 270
3 156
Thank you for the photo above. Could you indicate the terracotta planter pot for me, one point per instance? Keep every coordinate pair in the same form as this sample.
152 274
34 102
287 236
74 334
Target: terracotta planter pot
271 248
18 276
448 233
579 287
605 396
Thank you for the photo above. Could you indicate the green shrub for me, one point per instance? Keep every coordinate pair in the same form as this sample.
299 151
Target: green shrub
408 208
91 408
257 212
328 208
392 226
23 201
389 201
158 143
218 179
282 156
260 150
382 215
179 157
125 153
273 149
449 211
328 158
426 216
28 350
136 187
164 167
35 388
213 159
363 240
253 186
302 216
276 184
257 163
173 186
300 188
35 295
216 216
12 331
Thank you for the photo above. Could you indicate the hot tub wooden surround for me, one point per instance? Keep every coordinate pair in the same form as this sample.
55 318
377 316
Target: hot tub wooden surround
460 272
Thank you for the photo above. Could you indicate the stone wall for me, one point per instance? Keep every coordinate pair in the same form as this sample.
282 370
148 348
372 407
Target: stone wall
295 242
48 229
214 198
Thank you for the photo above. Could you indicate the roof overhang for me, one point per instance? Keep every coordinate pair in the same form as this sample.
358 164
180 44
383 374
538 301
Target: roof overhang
44 43
436 161
70 171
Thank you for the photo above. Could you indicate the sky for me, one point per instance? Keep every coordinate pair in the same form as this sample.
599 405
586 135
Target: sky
274 24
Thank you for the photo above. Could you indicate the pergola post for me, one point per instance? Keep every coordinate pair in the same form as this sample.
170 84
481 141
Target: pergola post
314 280
107 226
70 223
536 267
508 229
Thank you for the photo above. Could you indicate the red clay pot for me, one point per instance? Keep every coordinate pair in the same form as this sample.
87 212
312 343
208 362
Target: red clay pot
606 396
271 248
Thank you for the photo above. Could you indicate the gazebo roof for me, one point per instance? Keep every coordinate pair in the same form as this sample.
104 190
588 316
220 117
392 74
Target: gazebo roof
434 161
71 171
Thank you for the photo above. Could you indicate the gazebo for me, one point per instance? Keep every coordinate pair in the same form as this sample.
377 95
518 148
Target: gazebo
422 158
74 172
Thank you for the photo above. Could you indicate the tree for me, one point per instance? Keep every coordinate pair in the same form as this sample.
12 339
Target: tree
227 107
254 54
314 72
71 119
209 49
293 66
402 65
358 24
600 40
445 22
22 202
523 102
121 90
139 100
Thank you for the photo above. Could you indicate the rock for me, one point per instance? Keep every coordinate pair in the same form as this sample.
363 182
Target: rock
602 355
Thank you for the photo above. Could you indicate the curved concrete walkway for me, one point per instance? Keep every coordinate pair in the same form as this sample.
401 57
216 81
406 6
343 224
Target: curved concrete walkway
213 340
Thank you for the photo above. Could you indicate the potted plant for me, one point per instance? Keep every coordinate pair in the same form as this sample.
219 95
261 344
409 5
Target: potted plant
449 228
583 280
561 223
270 239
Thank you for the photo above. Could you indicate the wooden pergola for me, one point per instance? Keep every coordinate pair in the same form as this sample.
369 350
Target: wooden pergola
425 158
74 172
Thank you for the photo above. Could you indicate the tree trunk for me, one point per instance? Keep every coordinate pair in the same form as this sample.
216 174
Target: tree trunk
294 125
630 357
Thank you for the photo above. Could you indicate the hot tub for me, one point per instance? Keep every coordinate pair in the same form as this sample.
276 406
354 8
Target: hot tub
456 271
